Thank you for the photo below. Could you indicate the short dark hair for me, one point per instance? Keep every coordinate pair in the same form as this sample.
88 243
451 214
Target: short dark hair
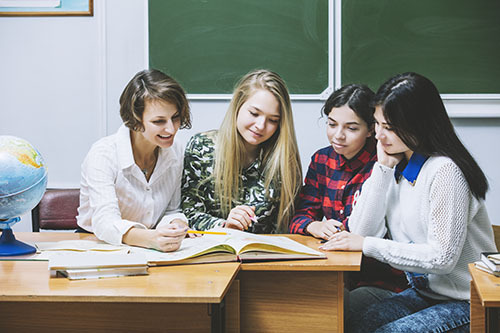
356 96
412 106
150 85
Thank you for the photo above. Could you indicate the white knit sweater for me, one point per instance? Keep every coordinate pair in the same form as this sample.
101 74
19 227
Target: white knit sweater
437 226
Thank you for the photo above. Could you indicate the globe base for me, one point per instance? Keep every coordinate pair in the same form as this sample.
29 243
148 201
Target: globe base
10 246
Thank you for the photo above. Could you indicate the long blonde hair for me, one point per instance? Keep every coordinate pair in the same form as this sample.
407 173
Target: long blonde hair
280 155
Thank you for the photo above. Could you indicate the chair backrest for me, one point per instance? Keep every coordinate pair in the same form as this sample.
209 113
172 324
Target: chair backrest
57 210
496 232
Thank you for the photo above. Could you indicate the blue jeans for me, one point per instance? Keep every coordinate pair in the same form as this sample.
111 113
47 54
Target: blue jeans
409 311
359 299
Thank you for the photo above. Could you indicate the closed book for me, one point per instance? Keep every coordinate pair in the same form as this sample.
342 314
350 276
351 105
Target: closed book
99 273
492 260
68 260
481 266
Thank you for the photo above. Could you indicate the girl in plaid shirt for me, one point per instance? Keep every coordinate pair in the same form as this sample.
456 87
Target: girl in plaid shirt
333 184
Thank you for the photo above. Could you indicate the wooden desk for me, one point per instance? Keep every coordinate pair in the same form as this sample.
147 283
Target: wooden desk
170 299
295 296
284 296
484 301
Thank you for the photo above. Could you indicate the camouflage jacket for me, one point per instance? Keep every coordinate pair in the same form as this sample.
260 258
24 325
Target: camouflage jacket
198 202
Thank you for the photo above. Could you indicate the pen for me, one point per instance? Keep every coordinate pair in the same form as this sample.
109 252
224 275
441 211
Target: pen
206 232
339 229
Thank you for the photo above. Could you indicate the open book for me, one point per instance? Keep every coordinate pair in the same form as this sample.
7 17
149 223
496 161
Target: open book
80 246
234 246
46 250
89 259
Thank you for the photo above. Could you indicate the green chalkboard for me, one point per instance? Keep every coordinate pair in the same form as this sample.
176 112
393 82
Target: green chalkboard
207 45
456 43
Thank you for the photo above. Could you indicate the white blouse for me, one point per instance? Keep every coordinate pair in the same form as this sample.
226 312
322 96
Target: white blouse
115 195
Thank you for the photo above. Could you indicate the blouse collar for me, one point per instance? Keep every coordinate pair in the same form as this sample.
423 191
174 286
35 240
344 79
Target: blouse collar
166 156
411 169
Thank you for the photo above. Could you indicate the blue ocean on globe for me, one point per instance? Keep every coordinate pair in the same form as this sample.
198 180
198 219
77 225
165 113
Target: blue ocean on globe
23 177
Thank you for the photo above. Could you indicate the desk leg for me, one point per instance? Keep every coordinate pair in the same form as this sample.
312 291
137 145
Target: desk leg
233 308
492 318
218 315
477 312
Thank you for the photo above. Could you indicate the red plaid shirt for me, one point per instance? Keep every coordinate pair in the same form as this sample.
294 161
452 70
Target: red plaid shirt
331 188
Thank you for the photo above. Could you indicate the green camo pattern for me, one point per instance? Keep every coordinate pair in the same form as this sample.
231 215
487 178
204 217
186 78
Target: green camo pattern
198 202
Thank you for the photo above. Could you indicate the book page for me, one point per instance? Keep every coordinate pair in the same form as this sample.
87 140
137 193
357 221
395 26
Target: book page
26 257
190 247
79 245
234 242
495 258
245 242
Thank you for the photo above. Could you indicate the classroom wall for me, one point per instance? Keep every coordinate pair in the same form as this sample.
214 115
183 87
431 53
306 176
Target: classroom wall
61 77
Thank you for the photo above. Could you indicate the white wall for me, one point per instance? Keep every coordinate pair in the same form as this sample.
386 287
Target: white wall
61 77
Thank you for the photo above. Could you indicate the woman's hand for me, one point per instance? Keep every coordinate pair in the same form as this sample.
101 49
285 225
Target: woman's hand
324 229
344 241
389 161
193 235
240 217
183 224
168 238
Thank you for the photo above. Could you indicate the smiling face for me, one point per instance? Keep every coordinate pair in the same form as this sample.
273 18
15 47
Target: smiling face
258 118
391 143
161 121
347 133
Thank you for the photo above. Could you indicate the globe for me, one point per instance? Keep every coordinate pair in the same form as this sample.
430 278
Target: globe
23 180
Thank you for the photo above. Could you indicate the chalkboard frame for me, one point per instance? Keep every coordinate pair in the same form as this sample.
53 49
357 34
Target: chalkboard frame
320 96
486 98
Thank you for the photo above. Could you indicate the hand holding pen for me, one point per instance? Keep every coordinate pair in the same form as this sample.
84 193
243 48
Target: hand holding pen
324 229
241 217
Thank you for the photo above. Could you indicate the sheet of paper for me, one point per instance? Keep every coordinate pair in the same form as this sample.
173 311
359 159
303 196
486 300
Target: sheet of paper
79 245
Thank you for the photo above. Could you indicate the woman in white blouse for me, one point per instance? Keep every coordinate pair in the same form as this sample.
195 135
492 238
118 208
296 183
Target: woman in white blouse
130 186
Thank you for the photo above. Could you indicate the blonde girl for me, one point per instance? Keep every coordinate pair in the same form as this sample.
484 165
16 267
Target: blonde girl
247 174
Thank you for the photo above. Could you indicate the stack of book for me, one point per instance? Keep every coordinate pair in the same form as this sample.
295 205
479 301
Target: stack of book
89 259
490 263
95 265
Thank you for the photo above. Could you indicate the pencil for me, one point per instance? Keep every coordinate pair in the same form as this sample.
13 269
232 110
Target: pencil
206 232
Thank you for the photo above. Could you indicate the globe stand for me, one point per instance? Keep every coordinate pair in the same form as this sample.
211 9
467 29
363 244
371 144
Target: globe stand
9 245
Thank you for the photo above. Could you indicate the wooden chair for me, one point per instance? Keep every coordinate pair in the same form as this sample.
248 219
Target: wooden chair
57 210
496 232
